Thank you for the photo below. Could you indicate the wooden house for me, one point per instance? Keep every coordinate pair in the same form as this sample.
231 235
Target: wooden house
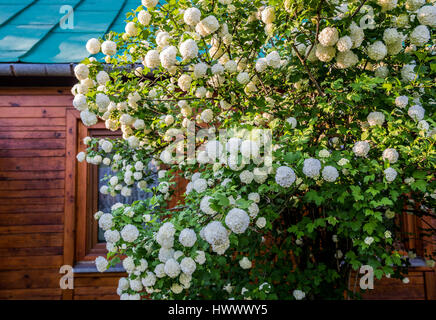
47 198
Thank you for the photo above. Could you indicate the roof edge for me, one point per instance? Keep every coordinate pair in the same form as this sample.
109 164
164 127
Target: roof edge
37 70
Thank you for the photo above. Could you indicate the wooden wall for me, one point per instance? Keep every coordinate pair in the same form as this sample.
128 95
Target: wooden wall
33 133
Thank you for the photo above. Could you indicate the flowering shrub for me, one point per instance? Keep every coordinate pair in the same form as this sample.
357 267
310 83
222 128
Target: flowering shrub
303 127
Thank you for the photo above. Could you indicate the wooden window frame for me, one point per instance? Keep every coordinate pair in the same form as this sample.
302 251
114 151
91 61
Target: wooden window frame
81 181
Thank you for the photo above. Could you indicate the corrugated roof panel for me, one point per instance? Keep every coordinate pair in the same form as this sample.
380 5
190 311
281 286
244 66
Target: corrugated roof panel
26 2
96 5
41 14
22 37
90 21
7 11
32 32
11 56
60 48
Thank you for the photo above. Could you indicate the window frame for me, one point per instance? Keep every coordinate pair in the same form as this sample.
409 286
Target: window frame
81 229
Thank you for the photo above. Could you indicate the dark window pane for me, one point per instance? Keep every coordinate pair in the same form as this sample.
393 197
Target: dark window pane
106 201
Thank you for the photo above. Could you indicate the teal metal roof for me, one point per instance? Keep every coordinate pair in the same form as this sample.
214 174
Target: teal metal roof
30 30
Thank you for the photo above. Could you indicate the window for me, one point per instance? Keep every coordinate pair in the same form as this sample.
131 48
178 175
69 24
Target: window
84 240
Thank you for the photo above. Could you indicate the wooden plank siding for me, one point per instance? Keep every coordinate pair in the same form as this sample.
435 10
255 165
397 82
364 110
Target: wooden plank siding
33 149
39 213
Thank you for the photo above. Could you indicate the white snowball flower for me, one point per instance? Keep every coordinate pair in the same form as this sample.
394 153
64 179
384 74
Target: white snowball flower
369 240
407 72
377 50
217 68
201 257
152 59
261 222
149 3
391 155
93 46
328 36
129 264
401 101
102 101
200 185
165 254
131 29
423 125
200 70
215 233
105 222
237 220
129 233
159 270
298 294
342 162
376 118
80 102
176 288
427 15
390 174
123 283
205 205
172 268
101 264
246 177
144 17
109 48
268 15
346 59
250 148
102 77
207 115
254 196
136 285
187 238
243 78
81 71
311 167
107 146
361 148
285 176
149 280
325 54
188 265
344 44
391 36
112 236
189 49
292 121
416 112
330 173
168 57
356 34
273 59
231 66
207 26
387 4
192 16
419 36
261 65
245 263
184 82
413 5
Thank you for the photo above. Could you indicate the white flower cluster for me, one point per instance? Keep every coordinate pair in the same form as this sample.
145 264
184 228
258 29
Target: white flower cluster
311 167
237 220
285 176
